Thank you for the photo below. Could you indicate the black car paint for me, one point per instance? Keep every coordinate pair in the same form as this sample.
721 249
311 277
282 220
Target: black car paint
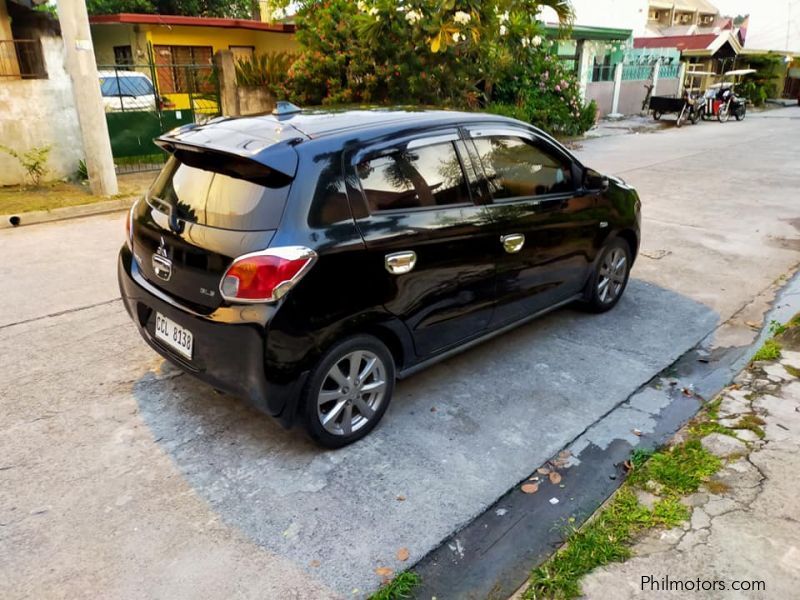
263 353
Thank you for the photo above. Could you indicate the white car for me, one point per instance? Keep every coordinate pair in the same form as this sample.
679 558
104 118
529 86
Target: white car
126 90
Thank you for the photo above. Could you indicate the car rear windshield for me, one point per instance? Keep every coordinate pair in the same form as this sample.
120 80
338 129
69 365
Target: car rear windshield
125 86
220 197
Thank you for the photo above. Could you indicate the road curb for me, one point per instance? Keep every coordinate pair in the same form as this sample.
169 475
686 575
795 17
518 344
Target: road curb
67 212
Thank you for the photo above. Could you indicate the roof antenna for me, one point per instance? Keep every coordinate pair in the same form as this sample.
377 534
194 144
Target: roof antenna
282 108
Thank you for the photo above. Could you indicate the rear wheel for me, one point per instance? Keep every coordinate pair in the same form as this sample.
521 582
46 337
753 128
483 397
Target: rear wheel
611 277
348 391
656 115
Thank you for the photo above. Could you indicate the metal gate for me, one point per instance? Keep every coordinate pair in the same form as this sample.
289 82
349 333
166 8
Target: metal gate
144 100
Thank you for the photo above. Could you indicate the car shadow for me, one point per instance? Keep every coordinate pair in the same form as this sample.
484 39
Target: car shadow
455 438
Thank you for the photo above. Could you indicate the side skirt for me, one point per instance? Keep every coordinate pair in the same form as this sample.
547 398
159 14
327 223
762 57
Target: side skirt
408 371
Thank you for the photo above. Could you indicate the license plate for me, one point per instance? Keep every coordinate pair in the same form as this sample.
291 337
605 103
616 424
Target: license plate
176 337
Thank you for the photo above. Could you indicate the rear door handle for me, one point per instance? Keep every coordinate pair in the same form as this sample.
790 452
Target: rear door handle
513 242
399 263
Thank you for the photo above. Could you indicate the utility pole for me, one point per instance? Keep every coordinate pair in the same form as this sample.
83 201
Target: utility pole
80 64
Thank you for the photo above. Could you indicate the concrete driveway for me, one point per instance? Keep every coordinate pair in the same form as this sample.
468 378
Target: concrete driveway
122 478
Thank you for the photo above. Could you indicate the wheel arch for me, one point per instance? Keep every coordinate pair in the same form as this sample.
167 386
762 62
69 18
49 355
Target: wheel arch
631 238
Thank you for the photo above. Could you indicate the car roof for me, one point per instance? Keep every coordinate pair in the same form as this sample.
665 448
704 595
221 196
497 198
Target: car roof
266 138
122 73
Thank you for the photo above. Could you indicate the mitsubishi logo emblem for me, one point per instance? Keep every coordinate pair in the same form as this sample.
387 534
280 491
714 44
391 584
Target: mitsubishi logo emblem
162 265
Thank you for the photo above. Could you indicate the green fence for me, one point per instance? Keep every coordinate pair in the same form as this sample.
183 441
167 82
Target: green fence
143 101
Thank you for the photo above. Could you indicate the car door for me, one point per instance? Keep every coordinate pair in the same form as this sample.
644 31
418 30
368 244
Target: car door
546 225
428 245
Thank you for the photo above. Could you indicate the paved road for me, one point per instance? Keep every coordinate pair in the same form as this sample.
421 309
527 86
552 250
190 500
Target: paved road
121 478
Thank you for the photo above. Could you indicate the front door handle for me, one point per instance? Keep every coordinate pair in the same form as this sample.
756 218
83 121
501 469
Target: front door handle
512 242
399 263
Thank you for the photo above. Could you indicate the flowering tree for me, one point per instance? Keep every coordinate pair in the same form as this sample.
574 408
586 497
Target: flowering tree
465 53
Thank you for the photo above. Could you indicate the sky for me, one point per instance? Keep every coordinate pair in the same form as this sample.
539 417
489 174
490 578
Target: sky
768 22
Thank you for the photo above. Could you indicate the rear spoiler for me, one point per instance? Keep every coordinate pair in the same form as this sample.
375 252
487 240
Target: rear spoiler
277 154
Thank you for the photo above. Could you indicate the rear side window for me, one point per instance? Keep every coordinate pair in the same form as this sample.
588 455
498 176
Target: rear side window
515 167
424 177
219 200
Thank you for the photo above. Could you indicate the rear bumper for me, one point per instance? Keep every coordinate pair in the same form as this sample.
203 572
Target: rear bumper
229 344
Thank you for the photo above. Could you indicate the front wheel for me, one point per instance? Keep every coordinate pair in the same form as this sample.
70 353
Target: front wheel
611 277
741 112
656 115
724 113
348 391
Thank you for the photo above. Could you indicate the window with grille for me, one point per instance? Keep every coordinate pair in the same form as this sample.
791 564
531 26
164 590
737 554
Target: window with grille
184 69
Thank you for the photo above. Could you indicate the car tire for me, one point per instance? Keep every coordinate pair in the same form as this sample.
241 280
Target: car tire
349 390
657 115
608 282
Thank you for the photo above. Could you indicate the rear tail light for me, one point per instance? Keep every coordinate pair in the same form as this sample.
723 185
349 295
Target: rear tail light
266 276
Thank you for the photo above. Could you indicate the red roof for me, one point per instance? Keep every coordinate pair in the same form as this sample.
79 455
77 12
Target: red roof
175 20
681 42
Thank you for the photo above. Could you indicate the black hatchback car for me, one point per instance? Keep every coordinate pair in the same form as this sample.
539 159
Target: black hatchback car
303 262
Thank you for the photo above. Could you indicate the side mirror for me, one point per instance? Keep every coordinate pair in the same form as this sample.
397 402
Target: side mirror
594 181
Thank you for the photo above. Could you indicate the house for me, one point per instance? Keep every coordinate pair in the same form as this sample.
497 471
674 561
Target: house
681 17
37 107
176 51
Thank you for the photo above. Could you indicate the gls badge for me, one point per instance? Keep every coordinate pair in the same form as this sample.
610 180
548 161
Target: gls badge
162 265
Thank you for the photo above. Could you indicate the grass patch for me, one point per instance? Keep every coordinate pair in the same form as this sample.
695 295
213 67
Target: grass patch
752 422
793 371
58 194
771 350
602 540
680 470
716 487
701 429
398 588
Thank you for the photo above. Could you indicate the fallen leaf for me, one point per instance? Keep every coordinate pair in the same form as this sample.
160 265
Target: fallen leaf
637 432
555 478
628 465
530 488
753 324
314 563
564 454
686 392
402 554
543 471
401 498
385 572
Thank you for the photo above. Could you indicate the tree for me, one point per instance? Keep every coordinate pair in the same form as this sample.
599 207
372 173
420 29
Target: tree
470 53
238 9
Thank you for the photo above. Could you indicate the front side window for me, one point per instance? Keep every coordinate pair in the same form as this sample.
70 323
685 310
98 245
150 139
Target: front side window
424 177
516 168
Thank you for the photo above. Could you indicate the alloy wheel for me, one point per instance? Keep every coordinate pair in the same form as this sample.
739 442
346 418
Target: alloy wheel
612 275
351 392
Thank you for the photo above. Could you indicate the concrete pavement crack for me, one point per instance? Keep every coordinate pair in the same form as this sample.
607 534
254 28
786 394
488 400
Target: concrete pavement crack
60 313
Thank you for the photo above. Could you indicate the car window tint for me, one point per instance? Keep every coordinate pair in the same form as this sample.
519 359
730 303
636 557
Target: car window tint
218 200
423 177
125 86
515 167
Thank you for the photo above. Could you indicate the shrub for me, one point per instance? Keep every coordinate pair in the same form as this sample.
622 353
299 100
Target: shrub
267 70
34 161
430 52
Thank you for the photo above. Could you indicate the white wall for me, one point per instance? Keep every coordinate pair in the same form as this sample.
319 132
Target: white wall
35 112
616 14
